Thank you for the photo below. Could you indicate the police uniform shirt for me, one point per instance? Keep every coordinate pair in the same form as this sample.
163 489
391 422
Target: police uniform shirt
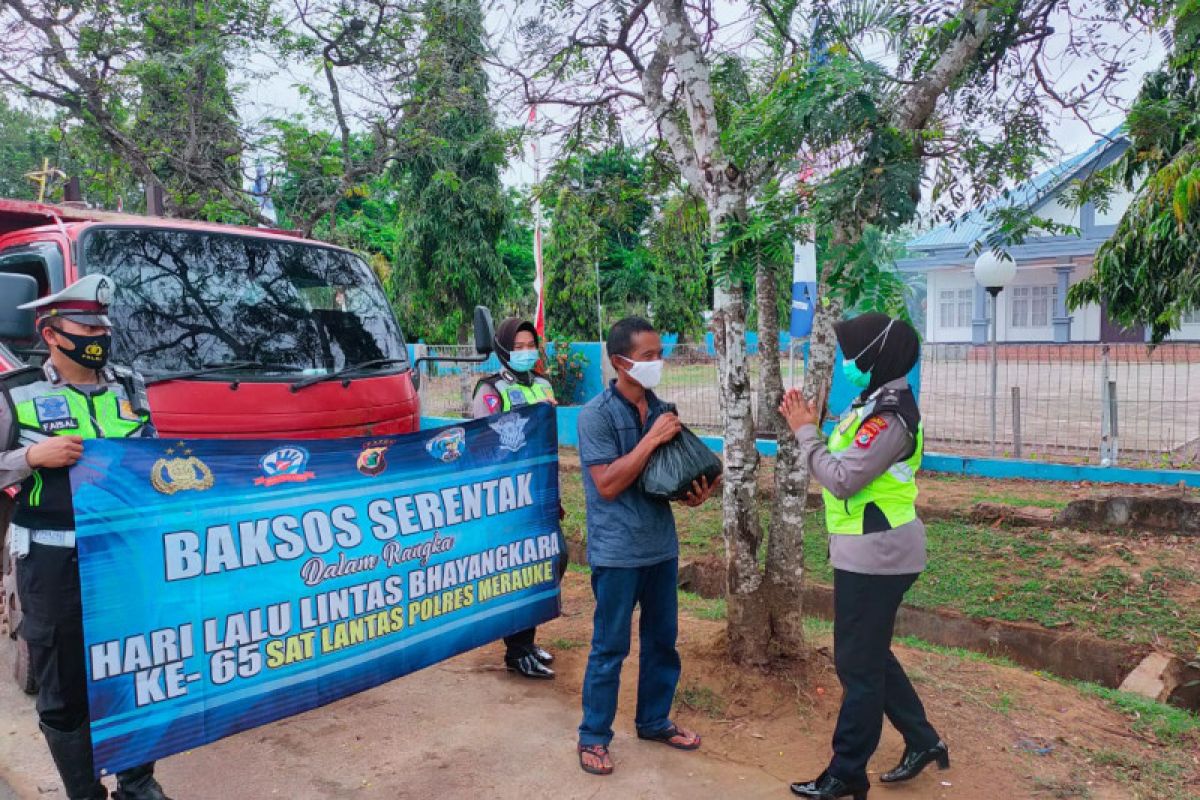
14 464
899 551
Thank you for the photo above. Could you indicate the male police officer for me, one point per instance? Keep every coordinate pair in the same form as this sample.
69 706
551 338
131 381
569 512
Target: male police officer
44 418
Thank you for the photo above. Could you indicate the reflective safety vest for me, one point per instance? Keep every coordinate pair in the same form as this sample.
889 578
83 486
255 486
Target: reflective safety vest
43 409
514 394
892 495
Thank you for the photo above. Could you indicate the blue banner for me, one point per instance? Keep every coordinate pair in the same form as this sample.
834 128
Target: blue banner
227 584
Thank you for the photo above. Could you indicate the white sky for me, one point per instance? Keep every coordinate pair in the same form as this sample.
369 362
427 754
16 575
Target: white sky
275 94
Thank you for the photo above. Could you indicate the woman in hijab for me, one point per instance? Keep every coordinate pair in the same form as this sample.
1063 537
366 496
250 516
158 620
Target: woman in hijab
517 384
877 548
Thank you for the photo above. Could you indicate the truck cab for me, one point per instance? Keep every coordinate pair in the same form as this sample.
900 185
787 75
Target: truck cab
239 332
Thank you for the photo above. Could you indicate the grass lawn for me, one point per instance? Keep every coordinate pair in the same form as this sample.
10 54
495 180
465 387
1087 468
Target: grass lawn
1127 590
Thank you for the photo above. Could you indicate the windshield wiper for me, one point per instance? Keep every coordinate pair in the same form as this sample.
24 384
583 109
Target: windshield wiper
228 366
330 376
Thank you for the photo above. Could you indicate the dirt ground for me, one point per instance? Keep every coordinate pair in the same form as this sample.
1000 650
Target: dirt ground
465 729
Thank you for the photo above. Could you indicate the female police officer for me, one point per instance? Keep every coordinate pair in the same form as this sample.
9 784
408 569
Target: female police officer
516 385
876 546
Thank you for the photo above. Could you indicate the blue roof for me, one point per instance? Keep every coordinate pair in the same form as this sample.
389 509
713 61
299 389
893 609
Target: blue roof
976 224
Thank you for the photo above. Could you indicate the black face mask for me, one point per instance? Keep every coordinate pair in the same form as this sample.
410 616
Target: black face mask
90 351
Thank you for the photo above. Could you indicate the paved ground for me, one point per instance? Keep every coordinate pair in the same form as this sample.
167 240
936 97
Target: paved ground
462 729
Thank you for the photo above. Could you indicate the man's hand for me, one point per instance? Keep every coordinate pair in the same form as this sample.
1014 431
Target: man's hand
797 411
57 451
701 491
664 429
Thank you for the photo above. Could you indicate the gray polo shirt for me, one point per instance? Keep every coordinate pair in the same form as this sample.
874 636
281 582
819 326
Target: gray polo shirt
633 530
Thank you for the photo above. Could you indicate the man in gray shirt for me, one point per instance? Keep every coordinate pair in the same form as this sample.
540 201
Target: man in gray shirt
632 548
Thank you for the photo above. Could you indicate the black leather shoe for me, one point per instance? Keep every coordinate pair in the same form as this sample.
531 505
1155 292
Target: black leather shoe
914 761
541 655
529 666
828 787
139 784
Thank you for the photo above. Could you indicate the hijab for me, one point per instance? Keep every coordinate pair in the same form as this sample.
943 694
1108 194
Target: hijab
887 353
506 338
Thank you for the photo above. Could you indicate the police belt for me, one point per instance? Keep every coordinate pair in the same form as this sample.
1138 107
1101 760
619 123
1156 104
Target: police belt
53 538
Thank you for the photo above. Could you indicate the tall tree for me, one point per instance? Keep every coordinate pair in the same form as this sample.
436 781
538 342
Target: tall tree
959 67
26 139
1148 272
452 205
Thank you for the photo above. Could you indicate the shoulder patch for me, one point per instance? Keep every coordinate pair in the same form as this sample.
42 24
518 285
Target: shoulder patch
492 402
869 430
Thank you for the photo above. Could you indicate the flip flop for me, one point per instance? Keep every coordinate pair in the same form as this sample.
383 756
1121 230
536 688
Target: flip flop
665 736
599 751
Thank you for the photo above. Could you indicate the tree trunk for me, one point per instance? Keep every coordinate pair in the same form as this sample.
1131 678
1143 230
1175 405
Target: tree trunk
783 584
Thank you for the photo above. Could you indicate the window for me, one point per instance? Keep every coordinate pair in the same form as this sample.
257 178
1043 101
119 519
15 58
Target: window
954 308
1033 306
1192 317
186 298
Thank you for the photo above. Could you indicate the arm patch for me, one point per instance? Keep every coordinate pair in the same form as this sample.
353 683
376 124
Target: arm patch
869 431
492 402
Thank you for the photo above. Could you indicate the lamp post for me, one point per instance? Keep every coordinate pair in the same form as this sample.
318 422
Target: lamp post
994 272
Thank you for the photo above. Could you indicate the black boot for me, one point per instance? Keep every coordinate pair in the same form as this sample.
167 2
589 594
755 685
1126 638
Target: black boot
527 664
72 754
139 784
827 787
914 761
541 655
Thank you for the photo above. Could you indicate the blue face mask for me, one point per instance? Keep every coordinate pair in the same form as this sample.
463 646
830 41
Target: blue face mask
523 360
854 375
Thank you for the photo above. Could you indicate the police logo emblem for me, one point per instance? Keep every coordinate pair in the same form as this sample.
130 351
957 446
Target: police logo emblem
372 460
511 428
448 446
54 413
104 291
171 475
284 465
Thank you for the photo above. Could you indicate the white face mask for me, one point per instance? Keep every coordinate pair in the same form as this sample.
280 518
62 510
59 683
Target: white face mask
647 373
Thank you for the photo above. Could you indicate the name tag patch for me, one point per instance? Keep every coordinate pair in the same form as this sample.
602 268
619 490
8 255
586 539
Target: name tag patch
54 413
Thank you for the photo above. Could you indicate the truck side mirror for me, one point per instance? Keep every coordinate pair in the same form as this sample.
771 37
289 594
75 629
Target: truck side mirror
17 290
485 331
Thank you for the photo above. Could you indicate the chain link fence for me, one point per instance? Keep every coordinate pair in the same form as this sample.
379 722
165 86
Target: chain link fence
1078 403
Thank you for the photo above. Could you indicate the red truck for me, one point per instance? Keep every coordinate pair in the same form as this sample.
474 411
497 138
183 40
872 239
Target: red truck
240 332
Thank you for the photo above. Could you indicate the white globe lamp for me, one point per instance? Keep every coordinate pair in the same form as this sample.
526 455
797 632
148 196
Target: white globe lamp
994 272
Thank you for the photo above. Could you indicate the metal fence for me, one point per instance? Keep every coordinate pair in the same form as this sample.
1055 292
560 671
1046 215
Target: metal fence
1078 403
446 389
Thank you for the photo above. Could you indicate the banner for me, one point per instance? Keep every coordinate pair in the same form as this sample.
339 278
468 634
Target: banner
804 288
228 584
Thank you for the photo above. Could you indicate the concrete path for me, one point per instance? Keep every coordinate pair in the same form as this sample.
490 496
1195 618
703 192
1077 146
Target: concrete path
462 729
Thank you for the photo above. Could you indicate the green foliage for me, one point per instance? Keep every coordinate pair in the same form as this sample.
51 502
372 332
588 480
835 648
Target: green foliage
678 244
565 370
25 140
448 188
573 251
1148 272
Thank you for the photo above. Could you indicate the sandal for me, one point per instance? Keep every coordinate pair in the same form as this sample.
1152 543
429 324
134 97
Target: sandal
598 751
668 735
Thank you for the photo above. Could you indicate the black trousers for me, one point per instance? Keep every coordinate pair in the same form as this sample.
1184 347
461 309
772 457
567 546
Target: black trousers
52 624
519 642
873 682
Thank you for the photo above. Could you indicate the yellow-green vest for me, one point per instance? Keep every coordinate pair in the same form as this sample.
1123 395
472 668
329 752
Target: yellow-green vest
894 492
516 395
44 409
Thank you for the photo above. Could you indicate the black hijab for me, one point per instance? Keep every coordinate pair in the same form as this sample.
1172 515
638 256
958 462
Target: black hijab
506 337
887 357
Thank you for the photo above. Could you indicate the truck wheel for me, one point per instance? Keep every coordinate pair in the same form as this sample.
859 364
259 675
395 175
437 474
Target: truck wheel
21 672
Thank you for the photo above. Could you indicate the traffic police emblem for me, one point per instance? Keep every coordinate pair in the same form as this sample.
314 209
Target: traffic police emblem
511 428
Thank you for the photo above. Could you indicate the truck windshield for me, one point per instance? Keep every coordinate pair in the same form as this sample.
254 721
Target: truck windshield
187 299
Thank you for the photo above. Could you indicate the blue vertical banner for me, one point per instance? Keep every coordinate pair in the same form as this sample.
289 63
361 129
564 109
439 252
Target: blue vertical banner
228 584
804 288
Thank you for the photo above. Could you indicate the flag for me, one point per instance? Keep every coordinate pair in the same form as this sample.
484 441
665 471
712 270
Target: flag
539 320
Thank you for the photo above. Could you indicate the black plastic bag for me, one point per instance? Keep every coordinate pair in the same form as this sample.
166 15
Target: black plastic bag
673 468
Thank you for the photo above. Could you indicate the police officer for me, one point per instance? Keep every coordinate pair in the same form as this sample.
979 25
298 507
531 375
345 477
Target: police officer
44 418
516 385
877 548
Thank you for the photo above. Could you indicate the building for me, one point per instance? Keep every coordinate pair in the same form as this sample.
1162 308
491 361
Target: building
1034 308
